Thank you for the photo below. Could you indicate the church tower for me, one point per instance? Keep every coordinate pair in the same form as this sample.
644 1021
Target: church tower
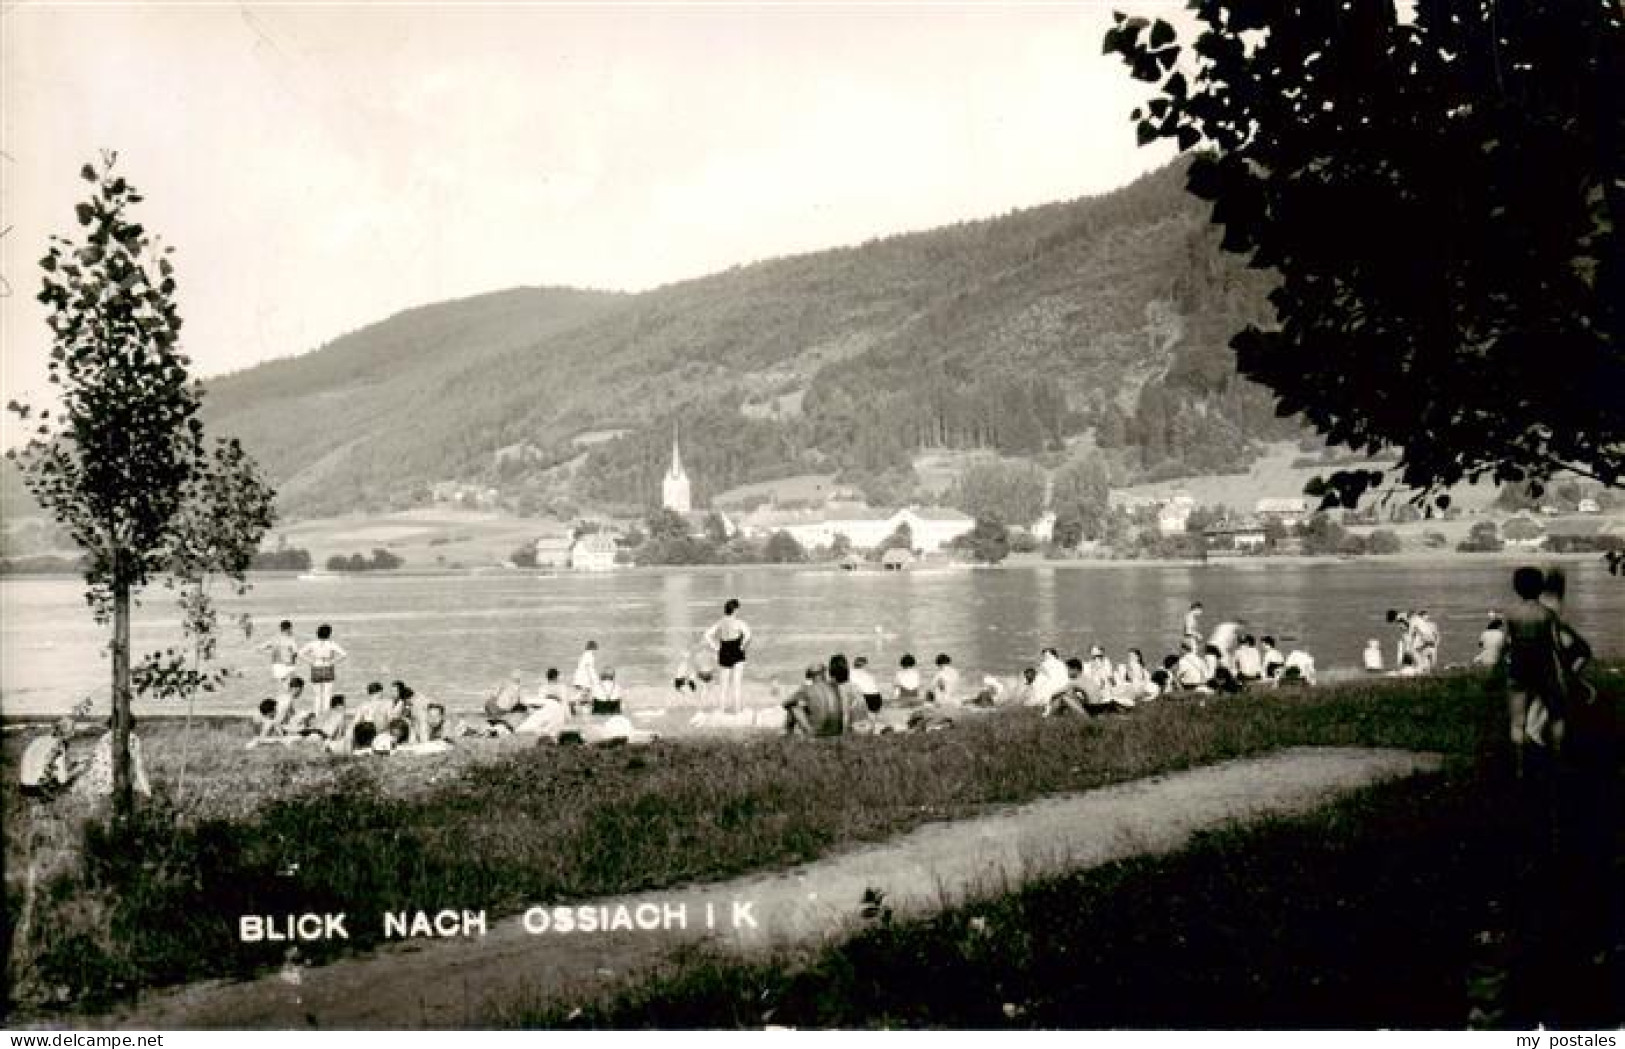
674 491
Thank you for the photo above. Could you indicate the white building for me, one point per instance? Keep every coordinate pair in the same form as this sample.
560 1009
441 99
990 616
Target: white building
933 527
930 528
593 553
674 487
553 551
1175 514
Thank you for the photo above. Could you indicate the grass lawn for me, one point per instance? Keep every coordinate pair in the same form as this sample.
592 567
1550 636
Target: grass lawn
511 826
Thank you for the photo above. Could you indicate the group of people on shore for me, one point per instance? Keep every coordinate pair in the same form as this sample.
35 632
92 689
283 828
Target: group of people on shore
1416 650
841 695
1540 654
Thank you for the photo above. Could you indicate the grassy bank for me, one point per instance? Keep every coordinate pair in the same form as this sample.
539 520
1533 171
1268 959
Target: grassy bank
1440 903
505 827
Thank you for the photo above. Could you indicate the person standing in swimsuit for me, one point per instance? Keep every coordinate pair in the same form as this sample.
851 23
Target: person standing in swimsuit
730 637
284 649
324 655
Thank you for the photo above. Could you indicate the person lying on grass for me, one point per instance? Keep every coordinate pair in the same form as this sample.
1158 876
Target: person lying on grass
504 706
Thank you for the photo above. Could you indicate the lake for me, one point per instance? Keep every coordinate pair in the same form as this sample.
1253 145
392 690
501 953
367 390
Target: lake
455 637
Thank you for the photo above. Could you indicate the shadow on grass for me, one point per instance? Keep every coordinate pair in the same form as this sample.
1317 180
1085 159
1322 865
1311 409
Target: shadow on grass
1462 900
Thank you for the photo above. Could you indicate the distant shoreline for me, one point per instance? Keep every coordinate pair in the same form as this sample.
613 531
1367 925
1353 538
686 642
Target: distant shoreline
1419 557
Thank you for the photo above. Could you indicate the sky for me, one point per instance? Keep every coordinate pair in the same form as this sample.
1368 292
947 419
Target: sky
318 167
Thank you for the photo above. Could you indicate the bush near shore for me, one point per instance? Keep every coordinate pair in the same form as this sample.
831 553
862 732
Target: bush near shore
510 825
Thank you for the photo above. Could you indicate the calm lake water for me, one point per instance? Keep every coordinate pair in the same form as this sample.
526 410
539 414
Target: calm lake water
456 637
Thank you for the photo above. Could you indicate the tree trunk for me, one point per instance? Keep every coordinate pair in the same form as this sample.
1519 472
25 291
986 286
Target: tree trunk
123 788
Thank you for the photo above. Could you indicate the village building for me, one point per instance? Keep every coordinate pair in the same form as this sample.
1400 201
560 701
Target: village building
553 551
1523 533
1243 536
593 553
1290 512
896 559
931 529
1175 514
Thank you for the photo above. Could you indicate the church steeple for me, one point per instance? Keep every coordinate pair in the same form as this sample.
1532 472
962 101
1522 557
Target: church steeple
674 488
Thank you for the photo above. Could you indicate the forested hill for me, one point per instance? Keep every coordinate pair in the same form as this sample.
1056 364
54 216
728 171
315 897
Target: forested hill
1103 317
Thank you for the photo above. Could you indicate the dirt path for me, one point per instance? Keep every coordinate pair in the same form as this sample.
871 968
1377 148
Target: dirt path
462 982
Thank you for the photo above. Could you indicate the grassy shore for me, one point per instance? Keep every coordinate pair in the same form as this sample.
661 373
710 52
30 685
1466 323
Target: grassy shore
508 825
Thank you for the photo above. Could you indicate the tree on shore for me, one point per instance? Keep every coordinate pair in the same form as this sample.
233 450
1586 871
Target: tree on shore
989 540
123 464
1438 293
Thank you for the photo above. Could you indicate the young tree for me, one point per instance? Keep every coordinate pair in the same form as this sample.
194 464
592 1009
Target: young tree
1438 293
124 465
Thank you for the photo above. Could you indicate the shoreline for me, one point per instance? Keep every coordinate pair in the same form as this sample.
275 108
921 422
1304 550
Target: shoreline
1413 557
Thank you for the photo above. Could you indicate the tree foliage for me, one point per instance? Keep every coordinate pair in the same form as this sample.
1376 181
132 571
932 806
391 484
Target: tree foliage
782 549
1012 491
124 466
989 541
1441 292
1081 494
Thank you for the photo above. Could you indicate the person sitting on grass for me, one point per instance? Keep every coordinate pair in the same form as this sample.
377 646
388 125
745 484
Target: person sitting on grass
991 694
362 735
546 717
427 738
813 705
552 691
504 701
1191 670
44 770
1299 668
97 780
1273 659
1492 642
378 709
287 701
1371 658
906 692
868 688
266 724
331 725
1024 696
607 696
1071 696
1249 661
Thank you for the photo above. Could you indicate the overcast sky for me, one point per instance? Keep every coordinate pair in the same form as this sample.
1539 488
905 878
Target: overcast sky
319 167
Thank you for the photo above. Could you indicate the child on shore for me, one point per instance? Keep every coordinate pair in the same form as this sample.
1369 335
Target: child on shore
585 679
945 685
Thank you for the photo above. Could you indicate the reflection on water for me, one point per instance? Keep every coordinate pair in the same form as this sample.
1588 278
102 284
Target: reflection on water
454 637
